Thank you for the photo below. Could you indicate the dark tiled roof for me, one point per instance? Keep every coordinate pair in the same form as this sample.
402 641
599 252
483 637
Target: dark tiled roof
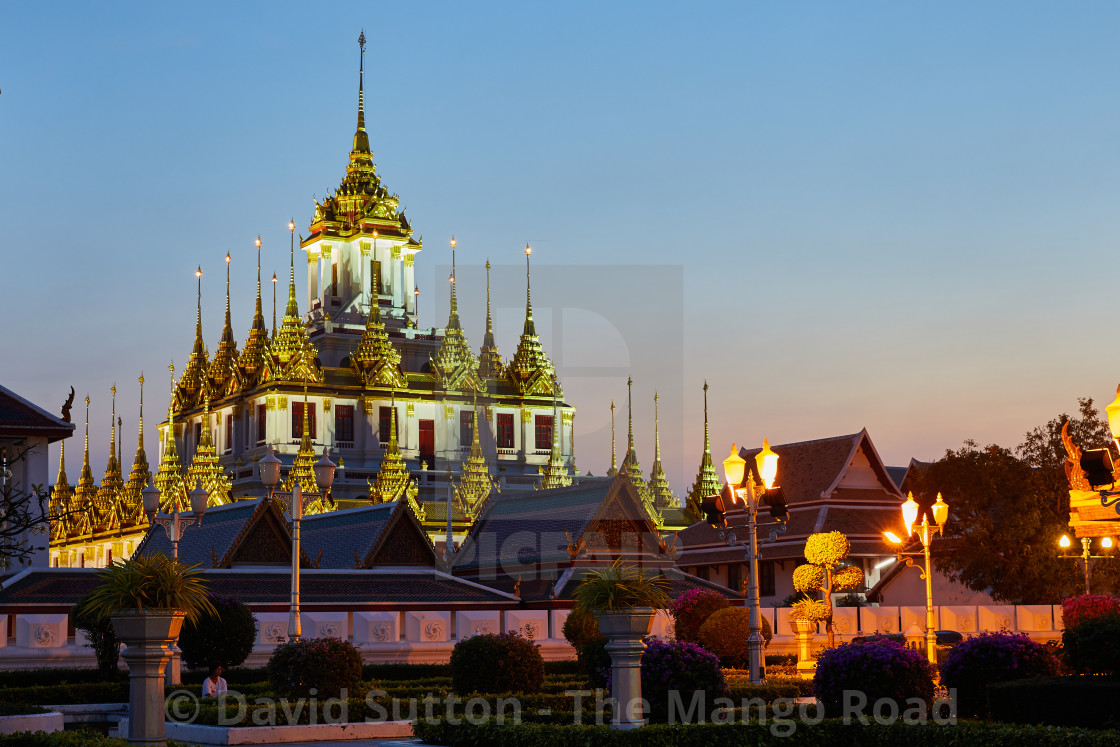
523 528
20 418
808 468
340 535
898 474
679 583
222 527
63 587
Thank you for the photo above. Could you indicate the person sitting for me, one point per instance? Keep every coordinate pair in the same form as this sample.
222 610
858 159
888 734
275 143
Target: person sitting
214 684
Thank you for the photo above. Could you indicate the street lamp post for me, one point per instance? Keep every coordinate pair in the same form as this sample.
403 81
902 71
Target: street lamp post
269 468
1086 557
926 532
751 493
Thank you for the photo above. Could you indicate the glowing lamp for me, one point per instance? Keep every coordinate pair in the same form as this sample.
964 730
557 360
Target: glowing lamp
893 538
150 495
528 250
199 497
291 225
198 272
416 291
227 258
258 242
1106 543
324 472
1064 542
274 278
269 468
940 511
734 467
452 242
767 462
909 513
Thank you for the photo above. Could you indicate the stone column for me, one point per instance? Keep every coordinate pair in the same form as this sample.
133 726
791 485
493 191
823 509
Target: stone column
148 638
624 631
312 276
409 283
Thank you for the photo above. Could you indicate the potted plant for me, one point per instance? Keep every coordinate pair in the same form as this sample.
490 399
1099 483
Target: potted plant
147 598
803 618
624 601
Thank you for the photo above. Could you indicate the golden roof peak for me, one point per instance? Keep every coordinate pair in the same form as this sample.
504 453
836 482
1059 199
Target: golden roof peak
138 476
251 362
205 466
393 480
659 489
707 480
223 373
475 484
189 390
555 473
292 357
455 366
489 360
376 361
169 476
614 461
530 371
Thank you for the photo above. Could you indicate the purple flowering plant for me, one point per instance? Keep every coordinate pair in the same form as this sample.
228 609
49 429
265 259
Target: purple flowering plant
976 662
668 666
691 609
879 668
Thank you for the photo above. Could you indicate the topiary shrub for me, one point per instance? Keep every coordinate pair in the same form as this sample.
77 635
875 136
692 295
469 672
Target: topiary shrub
102 639
1093 645
326 664
496 663
226 638
976 662
725 634
878 668
682 666
582 631
1082 607
691 609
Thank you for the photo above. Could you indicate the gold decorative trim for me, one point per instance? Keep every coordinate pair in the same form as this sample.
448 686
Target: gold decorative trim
282 403
326 251
526 416
409 260
396 253
237 410
449 411
566 417
365 247
410 409
326 404
270 404
367 406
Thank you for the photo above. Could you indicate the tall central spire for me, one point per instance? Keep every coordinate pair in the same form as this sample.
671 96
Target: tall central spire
658 483
489 360
360 157
707 481
530 370
251 361
223 373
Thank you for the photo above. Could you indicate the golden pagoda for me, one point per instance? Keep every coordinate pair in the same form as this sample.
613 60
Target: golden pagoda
393 480
707 481
490 365
630 466
555 473
303 467
61 497
376 362
223 374
108 493
530 371
189 391
455 366
659 489
132 502
291 356
169 476
205 467
252 360
84 505
475 484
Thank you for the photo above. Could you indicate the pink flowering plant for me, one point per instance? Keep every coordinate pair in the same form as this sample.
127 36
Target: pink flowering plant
879 668
680 666
691 609
1078 609
976 662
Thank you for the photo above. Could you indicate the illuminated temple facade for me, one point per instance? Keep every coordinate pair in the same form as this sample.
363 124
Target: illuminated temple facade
394 404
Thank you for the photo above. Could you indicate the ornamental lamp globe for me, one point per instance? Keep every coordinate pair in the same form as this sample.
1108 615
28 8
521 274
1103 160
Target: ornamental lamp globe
767 462
150 495
734 467
893 538
324 472
909 513
199 497
1106 543
940 511
1064 542
269 468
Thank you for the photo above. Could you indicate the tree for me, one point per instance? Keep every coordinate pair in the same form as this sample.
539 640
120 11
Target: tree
826 551
1007 513
225 638
102 639
24 513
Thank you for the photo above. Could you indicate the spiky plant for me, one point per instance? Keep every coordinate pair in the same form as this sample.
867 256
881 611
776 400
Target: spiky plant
621 587
152 583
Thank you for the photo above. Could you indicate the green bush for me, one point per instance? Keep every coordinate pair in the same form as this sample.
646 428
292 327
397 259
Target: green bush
691 609
880 669
580 627
225 638
977 662
582 631
326 664
33 677
99 630
682 667
725 633
829 733
1093 646
503 662
82 738
70 694
19 709
1057 701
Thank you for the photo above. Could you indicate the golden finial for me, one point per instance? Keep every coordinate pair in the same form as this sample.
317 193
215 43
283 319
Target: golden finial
113 423
87 427
258 276
707 443
528 291
274 305
141 380
630 413
614 458
656 429
489 326
361 140
454 305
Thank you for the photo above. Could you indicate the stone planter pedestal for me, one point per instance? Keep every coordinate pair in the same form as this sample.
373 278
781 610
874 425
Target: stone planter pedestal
806 664
624 632
148 637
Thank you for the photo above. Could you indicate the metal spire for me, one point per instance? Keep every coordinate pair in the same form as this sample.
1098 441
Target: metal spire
614 459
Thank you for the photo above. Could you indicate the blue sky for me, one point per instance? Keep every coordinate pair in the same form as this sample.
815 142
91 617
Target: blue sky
894 215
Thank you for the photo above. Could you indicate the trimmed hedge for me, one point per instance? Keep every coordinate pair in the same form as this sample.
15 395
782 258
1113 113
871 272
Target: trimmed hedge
61 739
19 709
87 692
1057 701
825 734
33 677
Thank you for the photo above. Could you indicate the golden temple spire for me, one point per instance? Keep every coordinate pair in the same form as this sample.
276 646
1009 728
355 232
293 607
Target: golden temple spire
205 467
223 370
475 485
189 391
293 357
393 480
555 472
376 361
659 488
531 371
109 492
169 476
139 475
630 413
707 480
455 366
61 519
252 359
630 466
489 360
303 466
83 507
614 462
274 306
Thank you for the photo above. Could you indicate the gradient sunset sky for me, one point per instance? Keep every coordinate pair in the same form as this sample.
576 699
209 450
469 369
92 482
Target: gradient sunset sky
898 216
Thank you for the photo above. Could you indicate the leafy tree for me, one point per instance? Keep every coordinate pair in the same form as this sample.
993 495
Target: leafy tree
24 514
99 630
825 572
1007 511
225 638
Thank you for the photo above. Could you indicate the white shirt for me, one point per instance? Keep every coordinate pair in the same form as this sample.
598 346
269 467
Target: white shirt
210 688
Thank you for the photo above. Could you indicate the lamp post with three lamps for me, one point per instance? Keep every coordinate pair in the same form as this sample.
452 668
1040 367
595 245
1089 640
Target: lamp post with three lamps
1086 557
752 494
940 511
269 468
